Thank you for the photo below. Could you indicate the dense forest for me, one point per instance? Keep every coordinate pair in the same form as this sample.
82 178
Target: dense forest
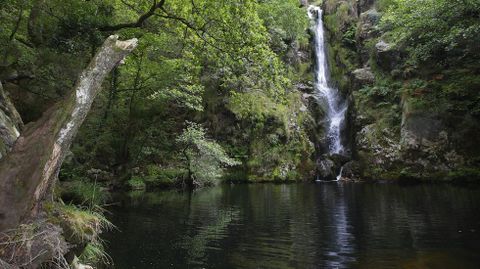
104 96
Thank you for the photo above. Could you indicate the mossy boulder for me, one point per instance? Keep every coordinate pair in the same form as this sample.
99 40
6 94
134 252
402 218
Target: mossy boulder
363 76
387 56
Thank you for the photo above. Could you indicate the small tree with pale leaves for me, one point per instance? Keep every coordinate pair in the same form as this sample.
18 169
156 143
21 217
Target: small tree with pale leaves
204 158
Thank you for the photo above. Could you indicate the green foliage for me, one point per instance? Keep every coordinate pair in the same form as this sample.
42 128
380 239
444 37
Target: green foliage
136 183
340 18
83 192
94 253
383 5
84 223
257 107
196 60
383 90
349 36
285 21
465 174
83 226
159 177
274 142
443 31
204 158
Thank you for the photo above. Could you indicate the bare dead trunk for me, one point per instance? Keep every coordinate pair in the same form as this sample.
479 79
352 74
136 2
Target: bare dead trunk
29 171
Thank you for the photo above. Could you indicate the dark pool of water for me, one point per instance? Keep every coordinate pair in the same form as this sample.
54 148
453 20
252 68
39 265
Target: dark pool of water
330 225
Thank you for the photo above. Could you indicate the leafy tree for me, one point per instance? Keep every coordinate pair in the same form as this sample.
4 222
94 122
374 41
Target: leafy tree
195 60
285 21
204 157
442 31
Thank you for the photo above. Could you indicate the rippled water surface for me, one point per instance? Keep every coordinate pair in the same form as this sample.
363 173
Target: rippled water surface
331 225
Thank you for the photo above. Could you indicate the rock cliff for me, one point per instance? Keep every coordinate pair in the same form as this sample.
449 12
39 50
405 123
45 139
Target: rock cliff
399 130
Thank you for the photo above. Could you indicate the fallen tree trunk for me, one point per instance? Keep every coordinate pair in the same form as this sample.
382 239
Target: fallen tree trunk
29 171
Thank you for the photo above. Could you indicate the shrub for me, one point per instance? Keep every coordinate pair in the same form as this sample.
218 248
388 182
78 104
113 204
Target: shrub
83 192
163 177
204 158
136 183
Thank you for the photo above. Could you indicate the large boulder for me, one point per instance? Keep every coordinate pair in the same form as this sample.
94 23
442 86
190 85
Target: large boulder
426 142
420 128
305 87
326 170
378 151
351 171
364 5
363 76
367 24
387 56
329 166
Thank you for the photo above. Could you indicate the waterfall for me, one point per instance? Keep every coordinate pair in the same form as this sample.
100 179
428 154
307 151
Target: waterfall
339 177
326 95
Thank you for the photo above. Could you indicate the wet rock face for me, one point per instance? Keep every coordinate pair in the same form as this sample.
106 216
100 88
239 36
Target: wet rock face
329 166
306 87
326 169
378 150
351 171
426 141
421 149
421 126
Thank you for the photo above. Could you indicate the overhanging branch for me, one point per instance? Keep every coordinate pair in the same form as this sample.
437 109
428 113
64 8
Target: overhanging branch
138 23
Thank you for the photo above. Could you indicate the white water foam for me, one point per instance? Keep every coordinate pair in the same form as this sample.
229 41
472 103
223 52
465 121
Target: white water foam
326 95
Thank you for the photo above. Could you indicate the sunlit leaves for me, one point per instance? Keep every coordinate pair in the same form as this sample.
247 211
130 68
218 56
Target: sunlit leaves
435 28
284 18
205 158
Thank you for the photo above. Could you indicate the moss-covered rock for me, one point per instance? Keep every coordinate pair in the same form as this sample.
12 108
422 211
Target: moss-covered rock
278 146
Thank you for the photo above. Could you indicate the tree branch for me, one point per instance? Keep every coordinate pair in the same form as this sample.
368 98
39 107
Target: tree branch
138 23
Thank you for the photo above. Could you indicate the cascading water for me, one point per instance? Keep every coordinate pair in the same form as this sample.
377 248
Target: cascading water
324 94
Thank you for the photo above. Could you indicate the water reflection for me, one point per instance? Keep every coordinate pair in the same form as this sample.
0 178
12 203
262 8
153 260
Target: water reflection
331 225
341 245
